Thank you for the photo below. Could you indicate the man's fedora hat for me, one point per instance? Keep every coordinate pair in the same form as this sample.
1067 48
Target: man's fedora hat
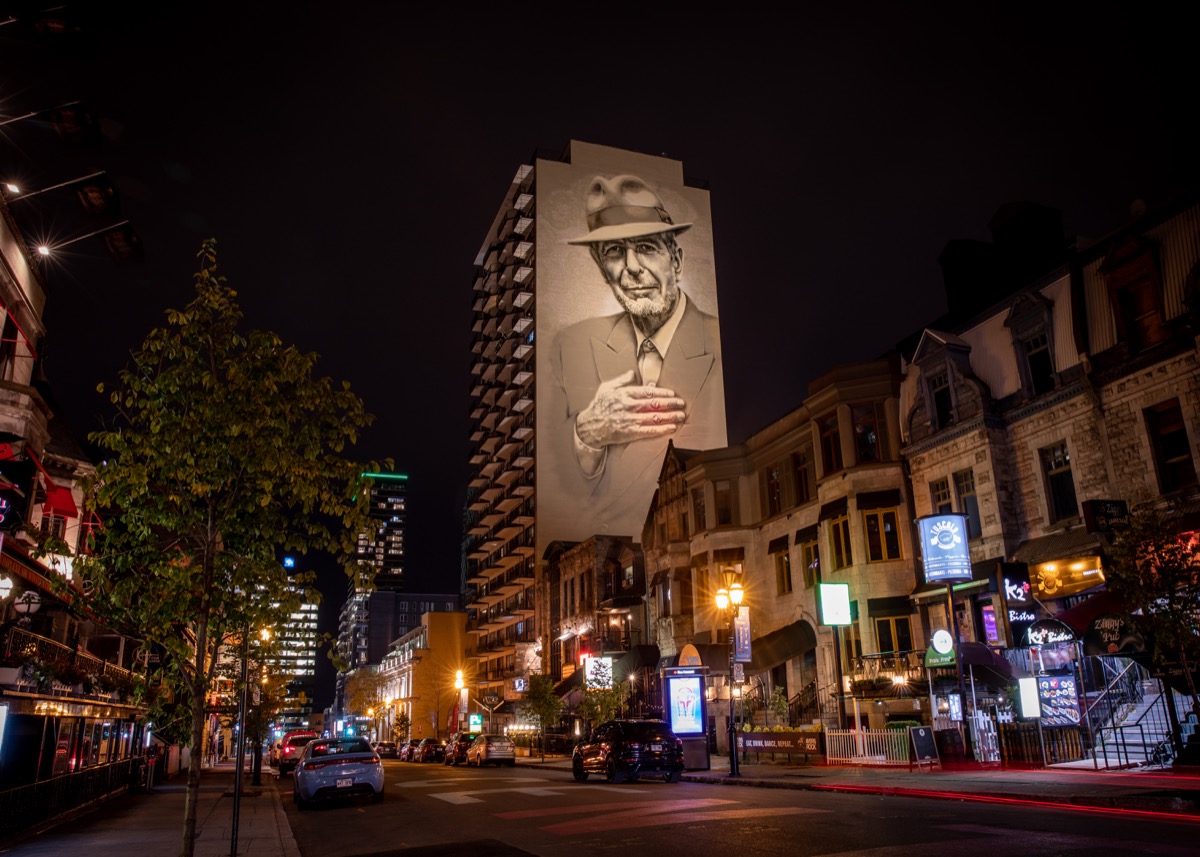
624 207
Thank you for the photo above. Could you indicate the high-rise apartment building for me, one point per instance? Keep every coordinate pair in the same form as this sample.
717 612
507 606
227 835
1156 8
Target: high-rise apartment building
382 546
294 658
595 330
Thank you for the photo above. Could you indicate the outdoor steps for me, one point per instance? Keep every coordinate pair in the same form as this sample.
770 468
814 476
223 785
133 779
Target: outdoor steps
1144 746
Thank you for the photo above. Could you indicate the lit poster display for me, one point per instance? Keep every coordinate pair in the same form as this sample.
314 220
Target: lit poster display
944 548
1059 700
628 352
685 704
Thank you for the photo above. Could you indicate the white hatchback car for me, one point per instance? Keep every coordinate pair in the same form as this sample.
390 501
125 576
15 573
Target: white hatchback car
490 749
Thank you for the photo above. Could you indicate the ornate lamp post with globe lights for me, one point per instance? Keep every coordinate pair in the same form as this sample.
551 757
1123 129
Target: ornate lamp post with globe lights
729 600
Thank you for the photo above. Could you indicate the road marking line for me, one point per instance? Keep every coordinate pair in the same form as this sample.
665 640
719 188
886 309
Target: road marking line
463 797
627 821
419 784
640 808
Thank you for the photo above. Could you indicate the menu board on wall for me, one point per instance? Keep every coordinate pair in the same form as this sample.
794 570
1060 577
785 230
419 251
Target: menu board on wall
1059 696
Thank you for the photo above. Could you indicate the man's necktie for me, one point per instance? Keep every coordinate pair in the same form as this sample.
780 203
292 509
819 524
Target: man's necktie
649 363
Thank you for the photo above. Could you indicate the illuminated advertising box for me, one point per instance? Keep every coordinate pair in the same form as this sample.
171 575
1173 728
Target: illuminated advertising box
834 599
598 673
624 257
686 711
944 548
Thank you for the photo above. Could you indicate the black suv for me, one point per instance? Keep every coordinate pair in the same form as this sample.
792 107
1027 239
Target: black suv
456 747
625 749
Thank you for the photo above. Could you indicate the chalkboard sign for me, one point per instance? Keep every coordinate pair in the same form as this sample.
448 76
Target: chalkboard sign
924 747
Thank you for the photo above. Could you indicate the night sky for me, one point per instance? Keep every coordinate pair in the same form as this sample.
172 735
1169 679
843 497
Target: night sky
349 160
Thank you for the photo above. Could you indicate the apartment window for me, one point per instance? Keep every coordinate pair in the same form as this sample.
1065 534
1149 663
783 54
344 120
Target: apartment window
811 557
894 634
1131 274
868 432
698 509
883 536
939 492
1172 453
939 394
1060 487
968 502
802 475
1039 362
831 443
723 491
783 573
773 487
54 526
8 347
839 529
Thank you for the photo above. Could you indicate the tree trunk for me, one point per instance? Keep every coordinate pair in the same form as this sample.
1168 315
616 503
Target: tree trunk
195 757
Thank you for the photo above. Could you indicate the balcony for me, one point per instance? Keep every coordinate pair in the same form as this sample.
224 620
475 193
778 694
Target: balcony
37 664
877 674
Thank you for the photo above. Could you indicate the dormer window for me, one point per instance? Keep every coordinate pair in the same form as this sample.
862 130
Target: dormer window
1135 294
1030 323
939 395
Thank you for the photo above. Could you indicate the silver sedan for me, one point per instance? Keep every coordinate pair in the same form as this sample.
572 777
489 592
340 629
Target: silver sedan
492 750
337 767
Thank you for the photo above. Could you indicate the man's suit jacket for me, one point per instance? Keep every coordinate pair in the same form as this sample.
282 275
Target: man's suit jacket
600 349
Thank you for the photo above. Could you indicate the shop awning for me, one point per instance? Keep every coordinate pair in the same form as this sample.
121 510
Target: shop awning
867 500
571 683
637 658
833 509
1079 617
779 646
59 502
1059 546
986 665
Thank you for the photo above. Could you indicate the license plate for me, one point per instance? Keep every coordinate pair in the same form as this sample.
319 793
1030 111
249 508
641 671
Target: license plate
344 783
656 748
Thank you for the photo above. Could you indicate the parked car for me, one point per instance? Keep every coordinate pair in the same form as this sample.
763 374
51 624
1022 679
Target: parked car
456 747
337 767
430 750
408 751
291 747
488 749
387 750
625 749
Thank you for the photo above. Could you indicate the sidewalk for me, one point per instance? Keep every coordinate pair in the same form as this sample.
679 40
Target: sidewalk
150 825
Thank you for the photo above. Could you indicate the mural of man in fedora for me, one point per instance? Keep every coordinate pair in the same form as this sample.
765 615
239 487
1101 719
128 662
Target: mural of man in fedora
631 381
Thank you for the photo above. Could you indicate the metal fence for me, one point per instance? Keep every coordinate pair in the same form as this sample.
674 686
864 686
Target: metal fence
867 746
26 807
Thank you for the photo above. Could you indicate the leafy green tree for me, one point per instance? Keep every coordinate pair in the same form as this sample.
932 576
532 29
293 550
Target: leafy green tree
1155 571
604 703
542 705
225 450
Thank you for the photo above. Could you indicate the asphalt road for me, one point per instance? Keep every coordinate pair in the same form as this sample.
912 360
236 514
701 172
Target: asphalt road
432 809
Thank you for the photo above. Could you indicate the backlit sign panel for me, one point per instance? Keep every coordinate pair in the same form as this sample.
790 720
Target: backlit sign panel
944 547
835 603
685 703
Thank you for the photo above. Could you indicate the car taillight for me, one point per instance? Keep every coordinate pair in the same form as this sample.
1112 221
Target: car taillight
371 761
313 766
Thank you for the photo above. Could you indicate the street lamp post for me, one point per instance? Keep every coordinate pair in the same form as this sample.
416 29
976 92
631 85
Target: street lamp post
729 599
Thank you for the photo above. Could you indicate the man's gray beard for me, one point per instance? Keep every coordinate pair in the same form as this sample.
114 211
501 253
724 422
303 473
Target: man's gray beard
652 312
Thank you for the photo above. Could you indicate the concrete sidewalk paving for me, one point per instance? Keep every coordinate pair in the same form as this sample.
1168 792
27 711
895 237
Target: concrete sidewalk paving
150 824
